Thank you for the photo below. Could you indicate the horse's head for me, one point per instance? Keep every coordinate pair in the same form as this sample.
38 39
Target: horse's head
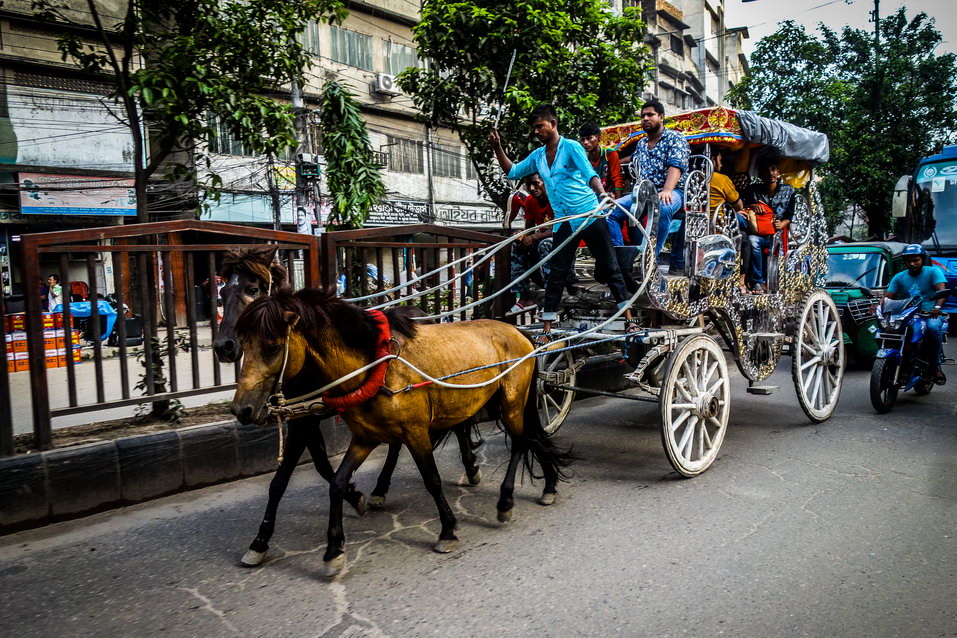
250 273
274 349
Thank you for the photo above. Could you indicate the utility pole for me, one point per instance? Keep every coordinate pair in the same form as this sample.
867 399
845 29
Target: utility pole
273 193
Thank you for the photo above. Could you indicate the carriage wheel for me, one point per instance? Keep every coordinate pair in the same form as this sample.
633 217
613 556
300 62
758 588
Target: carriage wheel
818 361
695 403
555 370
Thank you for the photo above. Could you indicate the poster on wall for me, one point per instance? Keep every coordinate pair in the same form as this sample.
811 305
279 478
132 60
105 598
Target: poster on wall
44 194
5 275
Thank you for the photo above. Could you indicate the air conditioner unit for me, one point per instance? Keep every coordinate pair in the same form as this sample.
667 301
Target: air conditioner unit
647 96
385 85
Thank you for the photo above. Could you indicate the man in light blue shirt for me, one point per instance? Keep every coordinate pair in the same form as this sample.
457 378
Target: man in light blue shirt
922 279
573 188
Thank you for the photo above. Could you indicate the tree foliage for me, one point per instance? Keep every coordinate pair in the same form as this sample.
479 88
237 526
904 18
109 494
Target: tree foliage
577 55
883 108
352 173
174 63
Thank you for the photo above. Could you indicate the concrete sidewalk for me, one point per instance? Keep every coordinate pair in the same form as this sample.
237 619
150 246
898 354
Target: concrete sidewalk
21 390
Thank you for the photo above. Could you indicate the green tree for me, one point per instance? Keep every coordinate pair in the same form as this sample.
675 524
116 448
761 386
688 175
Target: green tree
883 106
588 62
177 62
352 173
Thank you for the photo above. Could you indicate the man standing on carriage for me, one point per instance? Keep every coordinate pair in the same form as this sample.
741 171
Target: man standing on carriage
573 188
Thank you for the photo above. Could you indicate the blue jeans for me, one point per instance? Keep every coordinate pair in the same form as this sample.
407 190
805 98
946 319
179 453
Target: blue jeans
523 260
935 336
665 213
758 244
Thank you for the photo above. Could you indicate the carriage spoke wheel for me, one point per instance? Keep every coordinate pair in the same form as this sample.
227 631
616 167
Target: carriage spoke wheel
818 360
555 370
695 403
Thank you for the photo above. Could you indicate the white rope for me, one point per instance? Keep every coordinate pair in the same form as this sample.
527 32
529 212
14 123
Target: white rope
534 353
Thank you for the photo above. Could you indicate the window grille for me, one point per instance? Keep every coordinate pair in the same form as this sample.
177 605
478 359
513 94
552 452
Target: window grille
352 48
310 38
405 156
446 161
221 140
399 57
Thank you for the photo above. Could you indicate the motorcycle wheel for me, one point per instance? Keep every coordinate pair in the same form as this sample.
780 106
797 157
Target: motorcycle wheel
883 390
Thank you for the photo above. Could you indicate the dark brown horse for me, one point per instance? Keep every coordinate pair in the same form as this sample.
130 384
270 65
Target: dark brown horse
313 338
255 272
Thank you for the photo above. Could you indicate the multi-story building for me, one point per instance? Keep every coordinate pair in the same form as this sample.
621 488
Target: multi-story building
426 172
66 161
697 57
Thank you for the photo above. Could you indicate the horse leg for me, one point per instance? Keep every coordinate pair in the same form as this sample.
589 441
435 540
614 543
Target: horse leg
377 501
506 500
335 556
472 471
320 459
421 449
295 445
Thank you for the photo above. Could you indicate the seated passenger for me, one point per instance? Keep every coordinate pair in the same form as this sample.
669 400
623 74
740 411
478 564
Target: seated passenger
532 248
777 196
722 192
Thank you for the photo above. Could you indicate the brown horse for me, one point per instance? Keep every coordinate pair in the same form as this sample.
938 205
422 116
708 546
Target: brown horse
314 336
255 272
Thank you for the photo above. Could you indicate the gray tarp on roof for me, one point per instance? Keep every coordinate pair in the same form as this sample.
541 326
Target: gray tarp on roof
788 139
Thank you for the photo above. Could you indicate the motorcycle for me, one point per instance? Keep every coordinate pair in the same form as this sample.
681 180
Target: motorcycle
903 360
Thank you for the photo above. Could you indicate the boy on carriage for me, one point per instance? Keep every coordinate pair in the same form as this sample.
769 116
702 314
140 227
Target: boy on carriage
534 247
573 188
777 197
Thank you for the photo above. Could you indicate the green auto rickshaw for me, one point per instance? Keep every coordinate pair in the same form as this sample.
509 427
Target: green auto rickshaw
858 274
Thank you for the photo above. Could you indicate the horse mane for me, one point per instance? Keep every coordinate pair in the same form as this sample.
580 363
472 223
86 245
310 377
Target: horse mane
256 261
318 308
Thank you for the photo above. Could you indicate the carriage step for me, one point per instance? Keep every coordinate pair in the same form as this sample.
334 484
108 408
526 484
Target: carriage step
766 335
763 389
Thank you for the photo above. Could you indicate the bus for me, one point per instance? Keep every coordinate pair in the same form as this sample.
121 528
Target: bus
925 205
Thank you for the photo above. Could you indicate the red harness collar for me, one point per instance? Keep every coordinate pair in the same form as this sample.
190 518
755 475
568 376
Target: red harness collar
376 378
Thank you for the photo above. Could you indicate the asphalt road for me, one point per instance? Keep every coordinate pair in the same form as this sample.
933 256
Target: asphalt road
840 529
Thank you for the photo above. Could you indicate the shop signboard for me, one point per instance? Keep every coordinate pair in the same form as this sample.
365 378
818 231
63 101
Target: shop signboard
45 194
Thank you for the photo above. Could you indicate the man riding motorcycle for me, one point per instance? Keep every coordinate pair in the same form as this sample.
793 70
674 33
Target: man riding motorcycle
922 279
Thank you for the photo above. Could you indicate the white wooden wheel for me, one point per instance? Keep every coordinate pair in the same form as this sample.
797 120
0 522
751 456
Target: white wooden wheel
817 366
555 370
695 404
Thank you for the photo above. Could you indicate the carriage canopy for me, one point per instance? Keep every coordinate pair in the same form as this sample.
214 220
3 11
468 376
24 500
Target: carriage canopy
731 128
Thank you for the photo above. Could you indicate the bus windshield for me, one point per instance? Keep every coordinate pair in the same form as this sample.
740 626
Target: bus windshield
938 184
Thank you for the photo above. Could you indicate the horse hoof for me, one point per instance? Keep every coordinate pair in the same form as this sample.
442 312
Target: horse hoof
476 478
376 502
361 506
252 558
334 566
547 498
504 517
444 546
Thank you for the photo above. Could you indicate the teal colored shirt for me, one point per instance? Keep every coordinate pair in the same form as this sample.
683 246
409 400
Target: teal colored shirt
566 180
905 286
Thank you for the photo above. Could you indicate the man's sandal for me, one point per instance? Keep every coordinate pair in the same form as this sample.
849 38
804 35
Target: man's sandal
543 339
940 378
632 325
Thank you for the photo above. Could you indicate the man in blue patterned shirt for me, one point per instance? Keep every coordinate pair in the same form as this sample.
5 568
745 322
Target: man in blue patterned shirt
663 160
573 188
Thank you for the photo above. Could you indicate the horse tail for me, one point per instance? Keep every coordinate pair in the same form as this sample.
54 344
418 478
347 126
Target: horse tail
539 446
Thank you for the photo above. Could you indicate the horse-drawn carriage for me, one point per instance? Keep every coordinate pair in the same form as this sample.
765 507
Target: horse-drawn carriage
397 383
680 364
